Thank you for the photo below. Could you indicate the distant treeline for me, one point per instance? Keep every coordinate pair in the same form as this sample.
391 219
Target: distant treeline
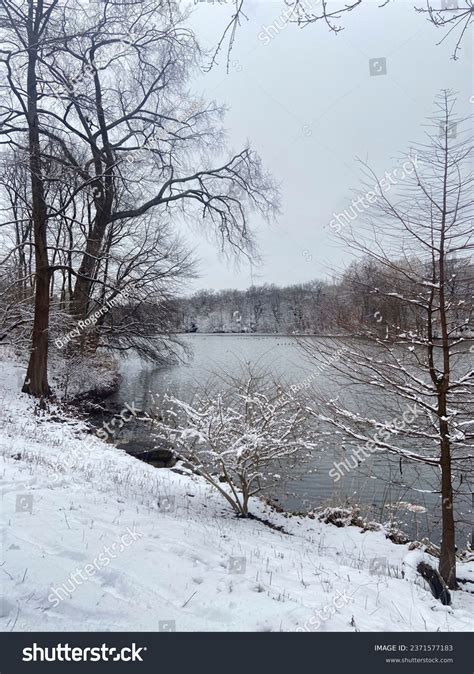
365 298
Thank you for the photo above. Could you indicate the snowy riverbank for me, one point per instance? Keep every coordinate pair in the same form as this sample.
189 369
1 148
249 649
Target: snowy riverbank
93 539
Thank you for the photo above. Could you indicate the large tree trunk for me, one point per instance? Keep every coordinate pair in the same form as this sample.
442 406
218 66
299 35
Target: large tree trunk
87 271
81 297
36 382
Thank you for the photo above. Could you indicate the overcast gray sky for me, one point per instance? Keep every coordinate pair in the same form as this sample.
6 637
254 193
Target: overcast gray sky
306 101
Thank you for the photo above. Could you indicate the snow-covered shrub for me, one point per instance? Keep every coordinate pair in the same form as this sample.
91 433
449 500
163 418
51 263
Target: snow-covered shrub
242 440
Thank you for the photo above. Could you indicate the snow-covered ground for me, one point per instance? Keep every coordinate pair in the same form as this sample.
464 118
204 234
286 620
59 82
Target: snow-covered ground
93 539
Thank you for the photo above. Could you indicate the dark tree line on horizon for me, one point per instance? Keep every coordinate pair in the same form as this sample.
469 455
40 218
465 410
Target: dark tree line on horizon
321 307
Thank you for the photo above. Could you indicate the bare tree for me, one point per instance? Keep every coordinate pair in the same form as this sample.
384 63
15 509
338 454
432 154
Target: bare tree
24 31
412 238
145 149
121 138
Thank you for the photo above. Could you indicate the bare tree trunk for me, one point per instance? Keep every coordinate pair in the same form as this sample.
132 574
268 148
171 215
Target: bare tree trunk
86 276
104 200
447 561
36 382
245 503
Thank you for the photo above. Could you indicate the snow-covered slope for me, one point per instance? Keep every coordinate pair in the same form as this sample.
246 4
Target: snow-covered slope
93 539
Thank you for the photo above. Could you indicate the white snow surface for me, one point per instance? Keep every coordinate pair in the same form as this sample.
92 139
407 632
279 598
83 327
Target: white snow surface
68 499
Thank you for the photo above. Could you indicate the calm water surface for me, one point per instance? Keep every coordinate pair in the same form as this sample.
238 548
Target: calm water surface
382 487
